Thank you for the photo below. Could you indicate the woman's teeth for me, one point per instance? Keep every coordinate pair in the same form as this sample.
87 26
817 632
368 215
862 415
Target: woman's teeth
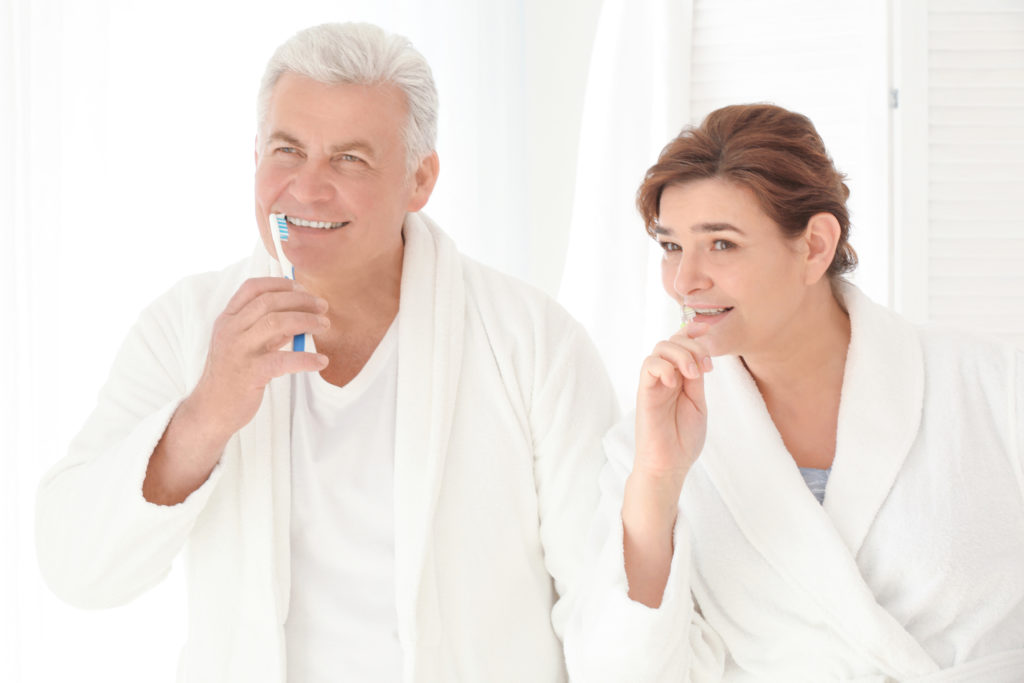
322 225
711 311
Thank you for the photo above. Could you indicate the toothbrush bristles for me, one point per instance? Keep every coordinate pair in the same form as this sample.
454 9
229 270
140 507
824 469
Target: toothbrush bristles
688 314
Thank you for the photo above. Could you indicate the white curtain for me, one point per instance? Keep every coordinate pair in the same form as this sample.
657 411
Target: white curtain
638 96
127 135
658 66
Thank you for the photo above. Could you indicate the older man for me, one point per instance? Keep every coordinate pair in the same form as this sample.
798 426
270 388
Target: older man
405 500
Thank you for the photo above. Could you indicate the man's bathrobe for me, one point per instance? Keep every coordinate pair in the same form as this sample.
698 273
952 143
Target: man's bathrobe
912 570
502 402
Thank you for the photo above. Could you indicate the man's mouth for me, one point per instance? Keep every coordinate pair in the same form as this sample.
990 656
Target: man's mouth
319 225
711 311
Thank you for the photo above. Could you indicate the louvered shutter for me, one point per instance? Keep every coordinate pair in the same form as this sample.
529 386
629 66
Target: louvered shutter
975 112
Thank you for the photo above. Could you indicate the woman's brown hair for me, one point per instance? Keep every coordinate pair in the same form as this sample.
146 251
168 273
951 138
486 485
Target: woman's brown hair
775 153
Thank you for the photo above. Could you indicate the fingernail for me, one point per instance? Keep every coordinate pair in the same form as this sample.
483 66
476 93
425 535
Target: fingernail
692 370
707 364
321 304
322 358
324 321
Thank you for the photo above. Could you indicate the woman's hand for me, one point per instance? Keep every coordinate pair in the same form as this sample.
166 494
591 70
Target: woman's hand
671 414
671 423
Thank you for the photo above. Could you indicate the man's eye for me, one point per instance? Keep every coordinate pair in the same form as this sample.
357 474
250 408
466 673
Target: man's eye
722 245
670 246
350 157
287 150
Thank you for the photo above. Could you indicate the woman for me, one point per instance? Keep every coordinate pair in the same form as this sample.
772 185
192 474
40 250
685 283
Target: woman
719 552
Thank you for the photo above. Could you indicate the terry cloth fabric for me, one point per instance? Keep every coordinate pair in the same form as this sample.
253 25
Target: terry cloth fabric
910 570
501 402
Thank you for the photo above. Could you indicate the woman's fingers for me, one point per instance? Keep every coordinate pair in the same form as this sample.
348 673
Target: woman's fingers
687 355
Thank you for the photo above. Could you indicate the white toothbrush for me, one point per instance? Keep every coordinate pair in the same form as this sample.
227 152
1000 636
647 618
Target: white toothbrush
687 316
279 232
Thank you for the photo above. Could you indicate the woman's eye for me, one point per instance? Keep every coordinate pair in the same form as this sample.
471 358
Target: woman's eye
670 247
722 245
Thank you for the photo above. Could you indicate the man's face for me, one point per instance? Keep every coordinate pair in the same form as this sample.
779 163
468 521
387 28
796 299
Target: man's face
332 159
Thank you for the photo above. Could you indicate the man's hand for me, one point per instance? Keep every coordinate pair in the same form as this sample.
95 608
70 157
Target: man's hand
245 354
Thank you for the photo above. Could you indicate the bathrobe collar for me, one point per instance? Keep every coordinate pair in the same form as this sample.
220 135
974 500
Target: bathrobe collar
812 546
430 337
431 321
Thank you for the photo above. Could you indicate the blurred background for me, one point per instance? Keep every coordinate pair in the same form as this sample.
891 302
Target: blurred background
127 131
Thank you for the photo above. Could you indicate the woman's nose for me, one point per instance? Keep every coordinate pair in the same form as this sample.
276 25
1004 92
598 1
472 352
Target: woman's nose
690 275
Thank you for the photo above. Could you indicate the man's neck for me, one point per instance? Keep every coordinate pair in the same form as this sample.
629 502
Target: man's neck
360 295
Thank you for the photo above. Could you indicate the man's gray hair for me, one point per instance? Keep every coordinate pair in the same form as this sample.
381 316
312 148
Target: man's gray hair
362 54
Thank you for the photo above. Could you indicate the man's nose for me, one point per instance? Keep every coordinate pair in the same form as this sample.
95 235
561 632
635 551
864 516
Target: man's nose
312 183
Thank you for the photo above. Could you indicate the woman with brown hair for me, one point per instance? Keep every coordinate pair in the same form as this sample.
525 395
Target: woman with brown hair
838 494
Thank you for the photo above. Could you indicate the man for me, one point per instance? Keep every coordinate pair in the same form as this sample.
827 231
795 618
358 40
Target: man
407 500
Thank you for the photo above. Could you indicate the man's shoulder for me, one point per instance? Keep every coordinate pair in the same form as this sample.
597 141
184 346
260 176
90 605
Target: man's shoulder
200 293
515 297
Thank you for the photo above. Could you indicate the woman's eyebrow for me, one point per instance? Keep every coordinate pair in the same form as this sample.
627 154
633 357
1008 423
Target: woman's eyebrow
715 227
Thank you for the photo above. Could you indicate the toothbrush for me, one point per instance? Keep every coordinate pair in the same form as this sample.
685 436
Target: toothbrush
279 232
688 314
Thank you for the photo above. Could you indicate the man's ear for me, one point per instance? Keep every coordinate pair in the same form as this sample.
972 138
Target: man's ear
821 237
423 182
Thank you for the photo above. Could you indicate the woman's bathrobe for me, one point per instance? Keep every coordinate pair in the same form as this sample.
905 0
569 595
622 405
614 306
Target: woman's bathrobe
502 401
913 566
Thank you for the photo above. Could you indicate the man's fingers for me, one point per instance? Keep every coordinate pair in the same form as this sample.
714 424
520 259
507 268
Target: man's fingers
279 363
271 303
253 287
273 330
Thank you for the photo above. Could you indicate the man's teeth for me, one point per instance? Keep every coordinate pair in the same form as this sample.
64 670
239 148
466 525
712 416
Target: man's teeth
323 225
710 311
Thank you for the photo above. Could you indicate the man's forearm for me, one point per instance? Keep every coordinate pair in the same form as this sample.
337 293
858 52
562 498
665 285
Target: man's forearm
185 455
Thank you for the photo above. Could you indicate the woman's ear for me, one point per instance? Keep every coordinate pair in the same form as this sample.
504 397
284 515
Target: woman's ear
821 238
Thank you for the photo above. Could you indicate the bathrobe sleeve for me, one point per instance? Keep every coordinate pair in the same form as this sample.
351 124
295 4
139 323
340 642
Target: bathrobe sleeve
613 638
572 404
99 542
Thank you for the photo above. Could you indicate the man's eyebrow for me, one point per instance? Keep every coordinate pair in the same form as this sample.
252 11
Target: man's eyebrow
347 146
353 146
281 136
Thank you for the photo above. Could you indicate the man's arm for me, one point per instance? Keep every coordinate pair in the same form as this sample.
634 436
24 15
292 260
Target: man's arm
100 542
244 356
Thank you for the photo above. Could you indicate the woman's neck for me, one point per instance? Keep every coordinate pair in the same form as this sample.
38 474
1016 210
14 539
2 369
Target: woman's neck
801 382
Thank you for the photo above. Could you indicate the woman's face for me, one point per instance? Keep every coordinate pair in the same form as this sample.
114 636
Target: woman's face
725 258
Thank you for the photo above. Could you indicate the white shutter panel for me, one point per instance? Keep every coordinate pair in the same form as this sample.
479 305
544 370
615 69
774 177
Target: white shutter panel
976 165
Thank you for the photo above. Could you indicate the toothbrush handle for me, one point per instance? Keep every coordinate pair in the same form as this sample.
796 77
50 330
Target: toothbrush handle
299 340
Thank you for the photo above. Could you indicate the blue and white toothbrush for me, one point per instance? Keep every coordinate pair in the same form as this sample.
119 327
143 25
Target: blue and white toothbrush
279 232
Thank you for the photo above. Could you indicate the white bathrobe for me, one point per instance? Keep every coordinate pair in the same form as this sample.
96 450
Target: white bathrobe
912 570
502 401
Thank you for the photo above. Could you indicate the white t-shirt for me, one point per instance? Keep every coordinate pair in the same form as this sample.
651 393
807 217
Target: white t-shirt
342 623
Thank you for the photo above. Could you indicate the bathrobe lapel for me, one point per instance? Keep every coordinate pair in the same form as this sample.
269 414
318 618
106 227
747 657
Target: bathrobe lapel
430 339
430 336
811 547
264 496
